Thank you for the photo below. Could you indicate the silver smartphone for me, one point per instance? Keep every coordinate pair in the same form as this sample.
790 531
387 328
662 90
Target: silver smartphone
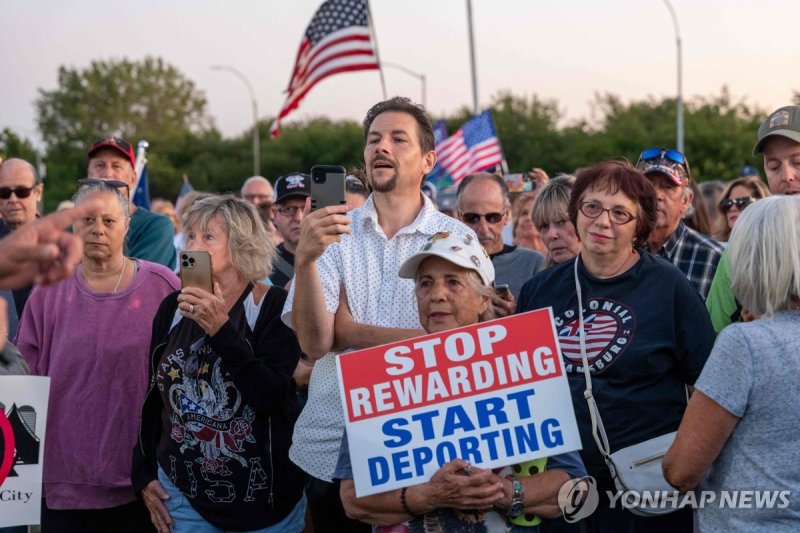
196 270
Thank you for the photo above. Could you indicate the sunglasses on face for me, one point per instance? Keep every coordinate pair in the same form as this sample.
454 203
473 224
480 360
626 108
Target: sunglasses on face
110 183
740 203
475 218
21 192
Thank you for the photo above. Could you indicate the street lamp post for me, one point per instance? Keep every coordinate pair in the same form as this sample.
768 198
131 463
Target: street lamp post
472 59
256 140
418 75
679 103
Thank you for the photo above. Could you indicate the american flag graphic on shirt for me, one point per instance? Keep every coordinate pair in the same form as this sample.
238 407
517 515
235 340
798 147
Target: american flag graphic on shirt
608 326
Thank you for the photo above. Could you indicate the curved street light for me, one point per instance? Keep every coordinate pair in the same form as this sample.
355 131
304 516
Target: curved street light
679 103
418 75
256 140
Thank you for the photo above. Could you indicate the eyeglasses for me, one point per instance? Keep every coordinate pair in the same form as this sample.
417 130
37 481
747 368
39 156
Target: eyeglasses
617 215
110 183
21 192
261 198
740 203
288 210
475 218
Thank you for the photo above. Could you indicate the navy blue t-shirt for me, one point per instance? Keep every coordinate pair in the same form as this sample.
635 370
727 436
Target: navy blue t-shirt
647 335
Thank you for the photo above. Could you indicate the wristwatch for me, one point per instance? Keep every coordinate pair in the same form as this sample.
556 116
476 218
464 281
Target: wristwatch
517 497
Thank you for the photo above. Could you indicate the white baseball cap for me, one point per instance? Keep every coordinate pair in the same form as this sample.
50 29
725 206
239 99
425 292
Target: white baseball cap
463 250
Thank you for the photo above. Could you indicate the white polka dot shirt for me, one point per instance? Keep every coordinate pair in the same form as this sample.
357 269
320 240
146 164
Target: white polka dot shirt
366 263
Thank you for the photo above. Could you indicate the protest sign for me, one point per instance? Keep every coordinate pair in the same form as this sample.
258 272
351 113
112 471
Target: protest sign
494 394
23 416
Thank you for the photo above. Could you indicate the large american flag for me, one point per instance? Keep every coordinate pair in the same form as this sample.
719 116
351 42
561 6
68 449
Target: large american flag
337 40
471 149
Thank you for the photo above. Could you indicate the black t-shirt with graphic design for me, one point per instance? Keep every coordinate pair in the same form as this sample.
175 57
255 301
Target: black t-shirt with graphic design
647 334
213 445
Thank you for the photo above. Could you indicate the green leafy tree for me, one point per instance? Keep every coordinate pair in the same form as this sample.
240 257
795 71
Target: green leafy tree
12 145
147 99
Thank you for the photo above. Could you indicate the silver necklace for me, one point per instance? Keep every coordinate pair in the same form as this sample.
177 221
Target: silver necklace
124 264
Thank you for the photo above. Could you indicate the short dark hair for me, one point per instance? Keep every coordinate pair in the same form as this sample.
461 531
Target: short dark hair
483 176
618 176
401 104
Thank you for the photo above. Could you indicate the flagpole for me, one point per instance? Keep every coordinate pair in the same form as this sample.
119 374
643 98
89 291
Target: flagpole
375 44
141 161
472 59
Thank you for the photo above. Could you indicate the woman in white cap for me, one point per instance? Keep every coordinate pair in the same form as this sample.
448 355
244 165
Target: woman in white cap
453 285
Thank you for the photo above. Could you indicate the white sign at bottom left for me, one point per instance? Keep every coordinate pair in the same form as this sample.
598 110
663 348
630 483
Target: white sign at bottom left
23 416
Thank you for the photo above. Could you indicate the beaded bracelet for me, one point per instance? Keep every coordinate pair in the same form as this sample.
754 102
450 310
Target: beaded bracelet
404 503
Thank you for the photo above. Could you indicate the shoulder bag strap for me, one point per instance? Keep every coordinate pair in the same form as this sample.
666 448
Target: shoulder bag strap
598 431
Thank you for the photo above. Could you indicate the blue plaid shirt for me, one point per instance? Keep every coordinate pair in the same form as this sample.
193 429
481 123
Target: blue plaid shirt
694 254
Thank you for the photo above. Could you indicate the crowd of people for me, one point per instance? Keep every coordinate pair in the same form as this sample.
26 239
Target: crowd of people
183 409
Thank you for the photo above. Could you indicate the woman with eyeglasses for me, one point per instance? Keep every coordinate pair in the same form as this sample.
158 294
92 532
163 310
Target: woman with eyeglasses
89 334
645 329
217 421
737 195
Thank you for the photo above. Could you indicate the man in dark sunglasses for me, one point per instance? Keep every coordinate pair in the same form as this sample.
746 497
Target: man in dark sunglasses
149 234
695 254
20 194
483 205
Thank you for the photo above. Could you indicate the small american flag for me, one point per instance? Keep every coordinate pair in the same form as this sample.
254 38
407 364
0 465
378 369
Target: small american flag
337 40
473 148
600 328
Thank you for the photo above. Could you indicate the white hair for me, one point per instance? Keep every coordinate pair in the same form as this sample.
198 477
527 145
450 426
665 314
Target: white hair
101 186
764 254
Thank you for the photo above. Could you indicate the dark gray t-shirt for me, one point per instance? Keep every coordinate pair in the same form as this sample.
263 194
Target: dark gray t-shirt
515 266
752 373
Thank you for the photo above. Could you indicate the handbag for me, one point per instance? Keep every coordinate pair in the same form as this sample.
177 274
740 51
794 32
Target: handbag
636 468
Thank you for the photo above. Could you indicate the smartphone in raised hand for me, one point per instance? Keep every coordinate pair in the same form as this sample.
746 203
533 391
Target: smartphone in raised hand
327 186
196 270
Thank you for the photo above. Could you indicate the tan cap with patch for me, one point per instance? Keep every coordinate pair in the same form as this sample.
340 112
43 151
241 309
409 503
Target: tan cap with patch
783 122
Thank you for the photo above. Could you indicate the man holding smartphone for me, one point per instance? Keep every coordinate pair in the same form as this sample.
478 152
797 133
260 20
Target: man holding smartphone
346 293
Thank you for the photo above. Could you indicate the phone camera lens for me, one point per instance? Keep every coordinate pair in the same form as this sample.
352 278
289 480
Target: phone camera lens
191 260
185 264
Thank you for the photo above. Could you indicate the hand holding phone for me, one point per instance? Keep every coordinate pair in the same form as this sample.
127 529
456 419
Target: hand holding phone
503 291
504 302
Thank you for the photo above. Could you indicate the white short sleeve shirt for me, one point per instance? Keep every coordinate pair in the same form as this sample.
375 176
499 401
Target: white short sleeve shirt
366 263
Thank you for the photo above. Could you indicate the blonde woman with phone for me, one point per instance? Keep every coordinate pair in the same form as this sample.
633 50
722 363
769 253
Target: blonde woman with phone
219 415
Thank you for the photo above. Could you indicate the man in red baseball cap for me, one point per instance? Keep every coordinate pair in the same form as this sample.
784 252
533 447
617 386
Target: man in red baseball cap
150 235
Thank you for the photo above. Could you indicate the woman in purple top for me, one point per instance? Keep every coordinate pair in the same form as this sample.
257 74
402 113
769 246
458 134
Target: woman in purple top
90 334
